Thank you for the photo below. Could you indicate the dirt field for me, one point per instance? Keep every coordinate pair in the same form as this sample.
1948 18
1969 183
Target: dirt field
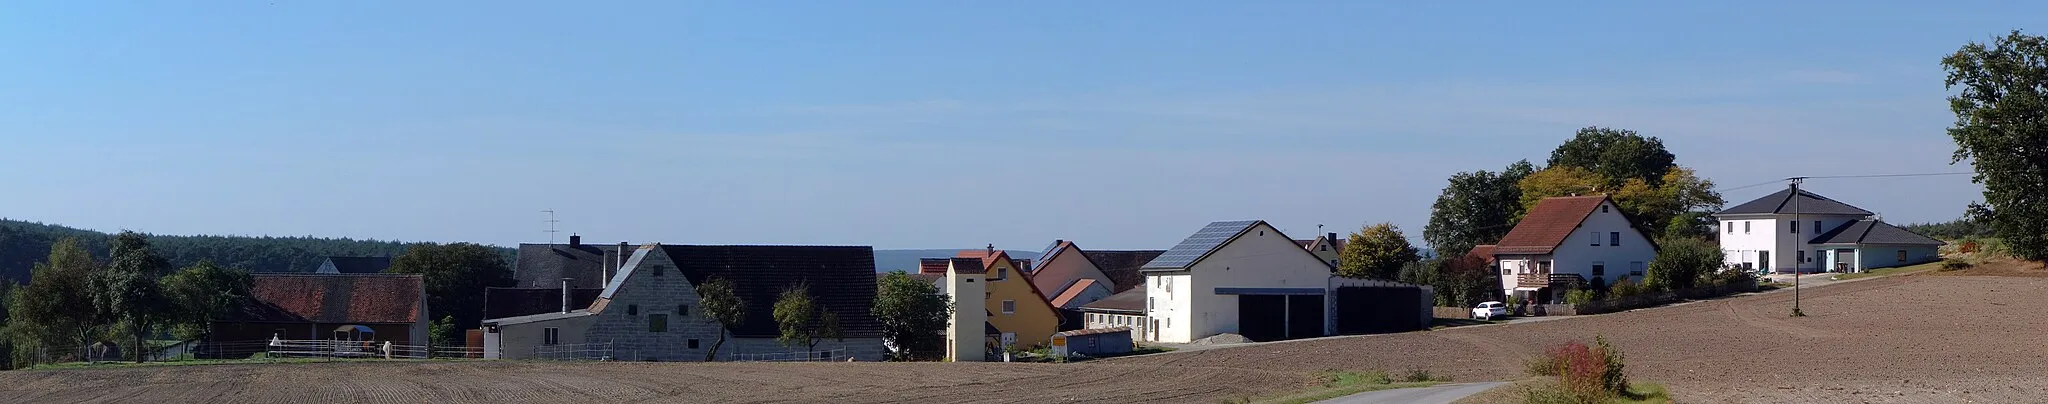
1919 338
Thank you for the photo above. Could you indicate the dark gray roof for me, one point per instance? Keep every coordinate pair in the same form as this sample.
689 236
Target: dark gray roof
1782 202
1122 266
358 265
1198 245
1129 301
544 265
841 279
1869 231
515 302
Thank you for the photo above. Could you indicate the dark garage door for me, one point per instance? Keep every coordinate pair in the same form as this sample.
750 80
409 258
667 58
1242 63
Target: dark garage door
1279 317
1368 310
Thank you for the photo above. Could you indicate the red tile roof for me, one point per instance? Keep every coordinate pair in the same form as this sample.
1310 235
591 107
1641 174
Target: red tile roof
988 260
336 298
1072 292
1548 224
1482 251
932 265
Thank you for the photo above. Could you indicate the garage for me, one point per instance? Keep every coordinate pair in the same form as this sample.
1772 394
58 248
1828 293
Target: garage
1373 310
1273 314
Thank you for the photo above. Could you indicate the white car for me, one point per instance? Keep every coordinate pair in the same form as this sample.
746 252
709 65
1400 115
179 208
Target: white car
1489 310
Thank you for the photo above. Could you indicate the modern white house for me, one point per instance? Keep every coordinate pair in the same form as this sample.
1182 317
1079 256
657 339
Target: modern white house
1795 230
1570 242
1245 277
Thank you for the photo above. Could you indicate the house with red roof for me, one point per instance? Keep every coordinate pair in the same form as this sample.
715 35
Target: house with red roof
1072 276
1567 243
344 306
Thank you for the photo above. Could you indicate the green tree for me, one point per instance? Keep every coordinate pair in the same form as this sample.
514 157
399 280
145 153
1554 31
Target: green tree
801 320
444 332
1682 263
717 299
2002 129
127 289
45 313
1560 181
7 288
1376 252
913 314
456 276
1616 155
201 294
1476 208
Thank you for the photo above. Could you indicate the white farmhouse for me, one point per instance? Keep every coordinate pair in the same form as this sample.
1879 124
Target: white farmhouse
1570 242
1795 230
1245 277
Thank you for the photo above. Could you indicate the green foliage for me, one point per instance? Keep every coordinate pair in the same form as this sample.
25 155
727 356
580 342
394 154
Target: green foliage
1376 252
23 243
1419 375
913 315
1641 176
1585 374
456 276
1419 272
1476 208
717 299
45 314
1581 296
1682 263
127 290
801 320
1616 155
444 333
202 293
1614 376
2002 129
1626 288
1958 229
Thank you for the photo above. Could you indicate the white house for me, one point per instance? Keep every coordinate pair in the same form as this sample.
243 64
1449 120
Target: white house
966 337
1801 231
1245 277
1570 242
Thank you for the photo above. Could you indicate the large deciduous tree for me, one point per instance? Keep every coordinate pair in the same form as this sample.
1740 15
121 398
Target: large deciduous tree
46 314
2002 129
127 289
1615 155
802 321
1476 208
913 315
1676 203
1682 263
1376 252
201 294
456 276
717 299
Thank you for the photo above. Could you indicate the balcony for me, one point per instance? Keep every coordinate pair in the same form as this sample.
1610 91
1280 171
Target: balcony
1545 280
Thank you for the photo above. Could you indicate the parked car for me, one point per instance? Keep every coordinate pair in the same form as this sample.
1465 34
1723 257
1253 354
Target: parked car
1489 310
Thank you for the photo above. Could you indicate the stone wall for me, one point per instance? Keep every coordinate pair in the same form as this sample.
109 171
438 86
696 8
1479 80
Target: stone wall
655 288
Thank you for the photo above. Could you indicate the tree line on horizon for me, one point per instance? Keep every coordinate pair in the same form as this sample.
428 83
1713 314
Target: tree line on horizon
22 244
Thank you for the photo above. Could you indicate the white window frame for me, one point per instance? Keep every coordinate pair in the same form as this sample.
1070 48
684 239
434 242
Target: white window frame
1009 307
1596 237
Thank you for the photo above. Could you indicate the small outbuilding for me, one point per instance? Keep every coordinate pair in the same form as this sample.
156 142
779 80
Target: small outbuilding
1093 342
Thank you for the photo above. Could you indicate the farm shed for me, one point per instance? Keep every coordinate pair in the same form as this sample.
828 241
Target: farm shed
1096 341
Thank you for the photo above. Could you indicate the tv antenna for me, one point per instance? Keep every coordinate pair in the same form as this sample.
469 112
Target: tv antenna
551 225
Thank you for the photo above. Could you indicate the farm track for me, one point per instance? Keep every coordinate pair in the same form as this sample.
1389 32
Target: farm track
1912 338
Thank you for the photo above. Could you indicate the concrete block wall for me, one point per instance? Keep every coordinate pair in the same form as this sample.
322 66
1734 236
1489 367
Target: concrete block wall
655 287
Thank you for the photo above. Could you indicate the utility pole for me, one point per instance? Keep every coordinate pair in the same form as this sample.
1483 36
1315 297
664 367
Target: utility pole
551 225
1795 245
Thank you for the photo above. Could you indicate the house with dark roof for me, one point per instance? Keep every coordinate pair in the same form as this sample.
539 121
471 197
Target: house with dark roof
1248 278
1796 230
353 265
1071 276
650 310
390 307
1570 242
587 266
1125 309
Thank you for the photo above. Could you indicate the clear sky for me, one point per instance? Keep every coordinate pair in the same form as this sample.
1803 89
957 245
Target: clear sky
941 124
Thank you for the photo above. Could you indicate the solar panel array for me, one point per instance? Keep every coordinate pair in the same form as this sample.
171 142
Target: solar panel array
1050 251
1200 243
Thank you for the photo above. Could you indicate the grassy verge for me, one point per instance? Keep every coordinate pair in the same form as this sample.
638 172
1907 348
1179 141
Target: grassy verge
1890 271
1645 393
1339 383
1518 393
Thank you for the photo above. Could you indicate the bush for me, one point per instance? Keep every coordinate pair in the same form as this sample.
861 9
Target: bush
1624 288
1585 374
1420 375
1955 264
1578 297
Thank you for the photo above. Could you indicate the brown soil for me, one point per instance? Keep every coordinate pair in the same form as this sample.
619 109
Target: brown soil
2000 267
1897 339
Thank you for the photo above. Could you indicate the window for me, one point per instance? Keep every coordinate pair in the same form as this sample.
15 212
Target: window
1730 226
1326 247
1002 273
1816 227
632 310
1595 236
682 310
1795 227
657 323
693 343
1902 255
1149 302
1599 268
1745 227
1635 268
1614 238
551 336
1603 208
1802 255
1009 307
1506 271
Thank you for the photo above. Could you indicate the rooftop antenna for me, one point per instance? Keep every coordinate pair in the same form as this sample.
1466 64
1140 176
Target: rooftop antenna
551 225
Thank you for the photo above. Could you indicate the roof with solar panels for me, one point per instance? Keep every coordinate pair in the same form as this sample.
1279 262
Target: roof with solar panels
1200 245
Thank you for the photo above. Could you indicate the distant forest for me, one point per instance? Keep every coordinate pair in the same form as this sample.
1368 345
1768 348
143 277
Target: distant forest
22 244
1951 230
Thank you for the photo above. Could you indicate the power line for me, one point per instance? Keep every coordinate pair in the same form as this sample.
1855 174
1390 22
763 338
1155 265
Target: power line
1892 175
1748 186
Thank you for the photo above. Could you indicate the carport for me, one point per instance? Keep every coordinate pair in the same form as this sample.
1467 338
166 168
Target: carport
1273 314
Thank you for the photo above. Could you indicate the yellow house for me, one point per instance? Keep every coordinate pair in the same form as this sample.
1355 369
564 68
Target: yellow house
1015 307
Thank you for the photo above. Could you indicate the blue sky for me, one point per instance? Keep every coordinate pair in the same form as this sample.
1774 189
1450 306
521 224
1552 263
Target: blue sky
933 124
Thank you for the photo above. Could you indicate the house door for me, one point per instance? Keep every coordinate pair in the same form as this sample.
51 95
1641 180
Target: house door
1763 259
1154 328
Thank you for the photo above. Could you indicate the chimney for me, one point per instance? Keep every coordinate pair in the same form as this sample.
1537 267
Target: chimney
621 265
991 249
575 240
1333 238
565 294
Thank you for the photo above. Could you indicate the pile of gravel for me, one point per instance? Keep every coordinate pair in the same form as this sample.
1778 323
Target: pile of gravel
1221 339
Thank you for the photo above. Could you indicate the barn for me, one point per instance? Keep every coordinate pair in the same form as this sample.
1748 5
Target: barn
1246 277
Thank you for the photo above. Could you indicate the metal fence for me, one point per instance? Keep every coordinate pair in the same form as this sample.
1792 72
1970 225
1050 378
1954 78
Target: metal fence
835 355
594 351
